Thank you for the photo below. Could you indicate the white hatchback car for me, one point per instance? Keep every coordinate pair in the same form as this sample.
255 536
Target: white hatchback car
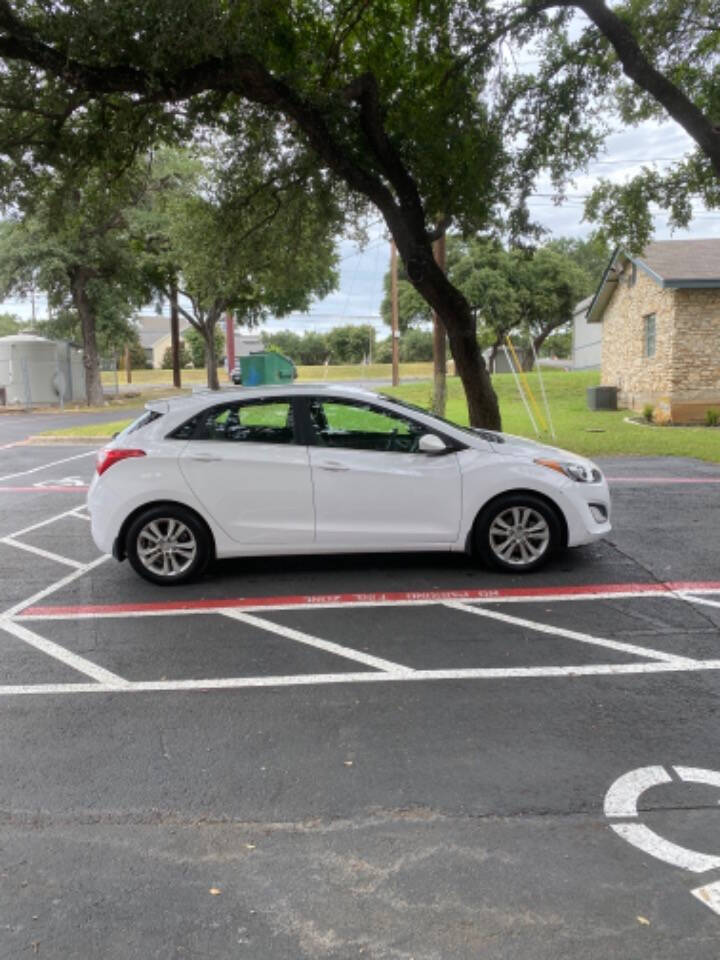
309 469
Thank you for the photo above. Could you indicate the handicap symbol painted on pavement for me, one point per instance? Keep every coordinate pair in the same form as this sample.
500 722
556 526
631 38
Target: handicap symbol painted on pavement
621 801
64 482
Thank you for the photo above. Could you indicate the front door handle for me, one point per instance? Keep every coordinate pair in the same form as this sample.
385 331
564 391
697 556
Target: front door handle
333 465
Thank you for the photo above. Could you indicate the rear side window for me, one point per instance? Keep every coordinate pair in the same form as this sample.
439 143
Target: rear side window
254 422
148 417
186 430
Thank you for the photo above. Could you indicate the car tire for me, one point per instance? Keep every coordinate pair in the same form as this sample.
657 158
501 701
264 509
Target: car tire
518 533
168 545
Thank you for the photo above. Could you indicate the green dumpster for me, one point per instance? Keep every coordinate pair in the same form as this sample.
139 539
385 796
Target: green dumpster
261 368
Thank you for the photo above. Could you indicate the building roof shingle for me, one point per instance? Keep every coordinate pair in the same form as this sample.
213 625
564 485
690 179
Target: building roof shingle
677 260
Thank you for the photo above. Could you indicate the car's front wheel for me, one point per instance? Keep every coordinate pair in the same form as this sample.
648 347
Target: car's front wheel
168 545
517 532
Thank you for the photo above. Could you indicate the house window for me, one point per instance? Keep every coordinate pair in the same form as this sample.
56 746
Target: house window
650 335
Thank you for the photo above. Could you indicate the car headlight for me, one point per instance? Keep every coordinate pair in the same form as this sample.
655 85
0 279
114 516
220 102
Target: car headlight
575 471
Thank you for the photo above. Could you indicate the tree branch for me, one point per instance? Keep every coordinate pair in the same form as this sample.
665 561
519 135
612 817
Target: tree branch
638 68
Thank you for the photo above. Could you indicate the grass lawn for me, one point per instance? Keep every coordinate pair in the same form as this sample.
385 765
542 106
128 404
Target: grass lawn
594 434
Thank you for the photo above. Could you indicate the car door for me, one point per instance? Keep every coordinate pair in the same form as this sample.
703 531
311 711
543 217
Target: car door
372 486
245 465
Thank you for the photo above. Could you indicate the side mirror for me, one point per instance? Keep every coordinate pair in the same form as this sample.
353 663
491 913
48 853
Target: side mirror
430 443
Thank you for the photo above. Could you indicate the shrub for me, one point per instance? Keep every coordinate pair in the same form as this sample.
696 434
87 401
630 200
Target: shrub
185 359
647 413
712 417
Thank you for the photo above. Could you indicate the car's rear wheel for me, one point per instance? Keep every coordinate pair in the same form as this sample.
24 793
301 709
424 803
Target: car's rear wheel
168 545
517 532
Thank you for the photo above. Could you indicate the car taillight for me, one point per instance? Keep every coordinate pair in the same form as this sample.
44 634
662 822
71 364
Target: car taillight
106 458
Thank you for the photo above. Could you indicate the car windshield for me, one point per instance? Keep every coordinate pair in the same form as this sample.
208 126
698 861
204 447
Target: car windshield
489 435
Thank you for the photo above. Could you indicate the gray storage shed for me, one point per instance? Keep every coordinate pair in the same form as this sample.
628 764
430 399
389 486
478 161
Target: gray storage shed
37 370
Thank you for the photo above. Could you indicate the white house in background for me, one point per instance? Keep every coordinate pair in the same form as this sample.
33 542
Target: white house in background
154 331
586 338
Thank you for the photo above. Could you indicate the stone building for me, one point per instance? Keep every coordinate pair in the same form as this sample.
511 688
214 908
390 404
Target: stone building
660 316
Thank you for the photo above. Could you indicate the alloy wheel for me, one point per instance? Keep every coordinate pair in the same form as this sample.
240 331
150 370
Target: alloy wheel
166 547
519 536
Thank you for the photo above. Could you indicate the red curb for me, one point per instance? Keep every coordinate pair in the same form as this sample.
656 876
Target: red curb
436 596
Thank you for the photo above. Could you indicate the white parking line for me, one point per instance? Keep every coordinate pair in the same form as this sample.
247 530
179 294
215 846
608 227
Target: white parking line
46 554
301 680
703 600
44 523
349 654
645 652
53 587
65 656
45 466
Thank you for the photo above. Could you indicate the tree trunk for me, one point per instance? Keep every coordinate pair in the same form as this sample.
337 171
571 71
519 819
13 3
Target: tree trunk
91 361
208 332
457 317
493 356
439 343
175 335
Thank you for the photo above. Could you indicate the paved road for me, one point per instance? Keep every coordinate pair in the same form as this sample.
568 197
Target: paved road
357 775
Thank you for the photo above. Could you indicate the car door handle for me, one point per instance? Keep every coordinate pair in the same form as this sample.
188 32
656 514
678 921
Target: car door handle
333 465
205 458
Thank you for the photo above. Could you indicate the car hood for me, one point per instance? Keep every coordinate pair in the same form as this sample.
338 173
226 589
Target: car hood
510 445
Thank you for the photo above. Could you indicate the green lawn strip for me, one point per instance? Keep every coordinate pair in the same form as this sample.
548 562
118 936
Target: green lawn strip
104 430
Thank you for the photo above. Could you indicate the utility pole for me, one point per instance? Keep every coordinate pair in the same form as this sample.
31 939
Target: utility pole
230 343
439 342
175 334
394 313
128 366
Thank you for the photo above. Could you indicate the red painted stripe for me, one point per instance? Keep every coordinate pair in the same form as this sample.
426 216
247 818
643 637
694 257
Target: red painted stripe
433 596
56 488
661 480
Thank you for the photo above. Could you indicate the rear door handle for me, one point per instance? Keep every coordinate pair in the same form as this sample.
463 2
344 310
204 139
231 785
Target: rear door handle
333 465
206 458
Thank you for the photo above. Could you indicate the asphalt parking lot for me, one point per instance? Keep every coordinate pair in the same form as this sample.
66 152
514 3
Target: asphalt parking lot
384 757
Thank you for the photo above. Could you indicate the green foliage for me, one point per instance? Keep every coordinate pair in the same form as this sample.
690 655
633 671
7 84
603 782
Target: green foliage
681 39
526 292
308 348
558 344
185 356
416 346
648 412
351 344
194 344
712 417
138 359
9 324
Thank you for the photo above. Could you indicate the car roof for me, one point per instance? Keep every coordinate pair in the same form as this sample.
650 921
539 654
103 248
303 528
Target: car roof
206 397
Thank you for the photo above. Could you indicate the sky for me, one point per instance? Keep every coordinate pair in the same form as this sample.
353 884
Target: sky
359 294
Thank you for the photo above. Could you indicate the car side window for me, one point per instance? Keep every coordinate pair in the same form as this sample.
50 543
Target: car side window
254 422
360 426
